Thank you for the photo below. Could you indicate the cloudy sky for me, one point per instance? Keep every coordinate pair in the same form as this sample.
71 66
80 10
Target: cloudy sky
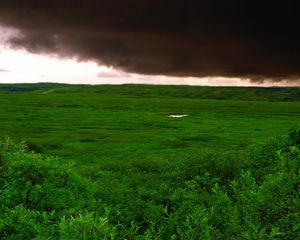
161 42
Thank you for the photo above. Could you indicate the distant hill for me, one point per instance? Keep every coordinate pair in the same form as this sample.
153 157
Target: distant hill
140 90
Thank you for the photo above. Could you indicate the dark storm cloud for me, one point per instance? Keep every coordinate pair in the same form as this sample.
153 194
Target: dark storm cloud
178 38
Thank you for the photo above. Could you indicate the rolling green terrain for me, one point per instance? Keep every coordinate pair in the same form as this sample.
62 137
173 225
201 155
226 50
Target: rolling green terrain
126 170
93 124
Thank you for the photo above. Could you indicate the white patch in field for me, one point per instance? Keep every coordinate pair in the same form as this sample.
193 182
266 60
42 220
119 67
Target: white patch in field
178 115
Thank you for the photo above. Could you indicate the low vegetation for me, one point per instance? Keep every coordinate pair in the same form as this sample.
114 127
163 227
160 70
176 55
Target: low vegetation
247 194
126 170
95 125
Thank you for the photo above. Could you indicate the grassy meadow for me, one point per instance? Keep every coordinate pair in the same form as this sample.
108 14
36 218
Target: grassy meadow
107 162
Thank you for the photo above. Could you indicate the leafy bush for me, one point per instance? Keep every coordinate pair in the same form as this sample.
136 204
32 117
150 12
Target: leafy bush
40 183
294 136
247 195
22 223
87 226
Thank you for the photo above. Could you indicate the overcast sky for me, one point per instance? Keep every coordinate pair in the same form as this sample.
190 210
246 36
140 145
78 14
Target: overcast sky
159 42
21 66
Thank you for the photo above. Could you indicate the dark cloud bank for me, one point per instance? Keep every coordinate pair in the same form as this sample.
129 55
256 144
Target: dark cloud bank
252 39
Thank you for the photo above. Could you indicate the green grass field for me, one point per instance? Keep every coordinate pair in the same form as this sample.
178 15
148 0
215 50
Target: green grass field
209 175
107 123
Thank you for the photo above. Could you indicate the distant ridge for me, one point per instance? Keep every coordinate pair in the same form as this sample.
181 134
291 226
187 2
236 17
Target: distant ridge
220 93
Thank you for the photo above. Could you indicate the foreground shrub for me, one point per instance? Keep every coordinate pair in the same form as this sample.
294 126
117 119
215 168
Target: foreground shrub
87 226
252 194
40 183
22 223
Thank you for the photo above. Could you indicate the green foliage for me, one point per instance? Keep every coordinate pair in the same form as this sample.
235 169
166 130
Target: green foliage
208 198
138 174
86 226
40 183
294 136
22 223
